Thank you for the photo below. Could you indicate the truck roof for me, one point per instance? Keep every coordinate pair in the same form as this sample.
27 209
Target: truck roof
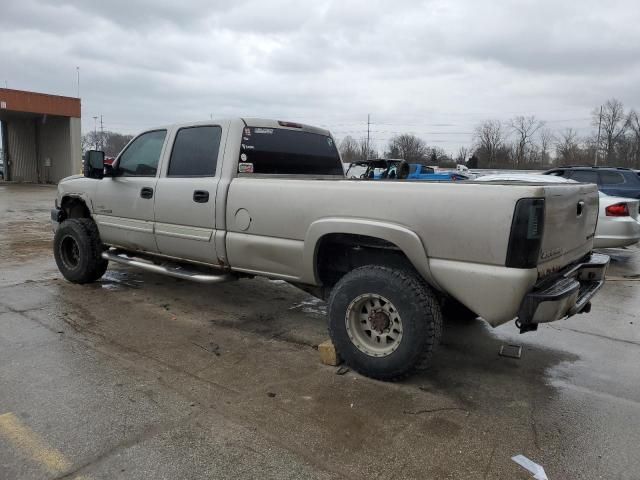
251 122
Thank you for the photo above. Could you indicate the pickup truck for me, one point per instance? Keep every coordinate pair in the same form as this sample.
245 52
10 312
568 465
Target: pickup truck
230 199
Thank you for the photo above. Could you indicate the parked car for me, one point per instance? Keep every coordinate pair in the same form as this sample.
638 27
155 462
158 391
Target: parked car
230 199
617 216
378 169
618 182
522 177
418 171
382 168
618 224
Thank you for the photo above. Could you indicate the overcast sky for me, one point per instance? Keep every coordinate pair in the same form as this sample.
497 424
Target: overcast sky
433 68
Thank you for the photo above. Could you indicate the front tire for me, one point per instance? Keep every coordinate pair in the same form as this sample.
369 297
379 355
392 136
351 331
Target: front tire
384 322
77 249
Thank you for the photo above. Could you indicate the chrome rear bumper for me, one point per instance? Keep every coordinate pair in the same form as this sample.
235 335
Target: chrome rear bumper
564 293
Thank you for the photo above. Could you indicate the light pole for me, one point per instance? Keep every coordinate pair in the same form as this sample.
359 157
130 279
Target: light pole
95 132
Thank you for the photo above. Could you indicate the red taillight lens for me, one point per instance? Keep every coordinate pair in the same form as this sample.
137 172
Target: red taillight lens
617 210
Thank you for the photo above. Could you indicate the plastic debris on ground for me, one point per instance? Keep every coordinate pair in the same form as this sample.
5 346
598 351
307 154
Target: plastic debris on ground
536 470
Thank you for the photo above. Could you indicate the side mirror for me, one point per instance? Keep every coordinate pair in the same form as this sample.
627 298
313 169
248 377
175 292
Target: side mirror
109 170
94 164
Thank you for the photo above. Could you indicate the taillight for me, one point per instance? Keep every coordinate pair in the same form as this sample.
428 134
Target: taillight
526 233
617 210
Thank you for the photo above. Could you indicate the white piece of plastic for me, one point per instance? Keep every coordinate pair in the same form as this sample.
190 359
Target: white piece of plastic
537 470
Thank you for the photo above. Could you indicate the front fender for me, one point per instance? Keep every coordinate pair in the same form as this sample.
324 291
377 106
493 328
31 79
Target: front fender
406 240
79 187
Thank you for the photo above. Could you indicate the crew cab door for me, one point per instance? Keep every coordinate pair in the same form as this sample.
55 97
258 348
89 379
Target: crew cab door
186 194
123 204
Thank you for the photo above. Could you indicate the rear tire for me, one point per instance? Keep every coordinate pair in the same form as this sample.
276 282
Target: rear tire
384 322
77 249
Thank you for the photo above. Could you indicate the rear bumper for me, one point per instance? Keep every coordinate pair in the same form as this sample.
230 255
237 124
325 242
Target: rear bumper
617 232
564 294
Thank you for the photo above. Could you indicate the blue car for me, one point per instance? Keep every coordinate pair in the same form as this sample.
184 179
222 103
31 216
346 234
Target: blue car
418 171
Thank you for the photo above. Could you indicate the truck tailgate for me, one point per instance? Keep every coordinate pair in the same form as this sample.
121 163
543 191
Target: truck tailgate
571 215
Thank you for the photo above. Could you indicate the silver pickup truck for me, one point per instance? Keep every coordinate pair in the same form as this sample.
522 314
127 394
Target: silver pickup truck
222 200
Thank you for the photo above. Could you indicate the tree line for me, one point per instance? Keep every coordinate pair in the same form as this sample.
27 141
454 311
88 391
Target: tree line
111 143
406 146
523 142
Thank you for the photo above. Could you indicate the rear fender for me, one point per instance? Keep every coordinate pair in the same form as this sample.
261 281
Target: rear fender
406 240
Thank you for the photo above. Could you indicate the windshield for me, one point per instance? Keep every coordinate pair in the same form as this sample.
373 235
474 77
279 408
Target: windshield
284 151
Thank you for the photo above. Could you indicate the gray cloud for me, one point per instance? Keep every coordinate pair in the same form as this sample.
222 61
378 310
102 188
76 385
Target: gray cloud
432 67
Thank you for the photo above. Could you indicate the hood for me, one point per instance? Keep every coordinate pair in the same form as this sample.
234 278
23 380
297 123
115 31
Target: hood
72 177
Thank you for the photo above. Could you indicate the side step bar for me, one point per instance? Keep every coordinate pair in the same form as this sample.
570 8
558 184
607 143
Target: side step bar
176 271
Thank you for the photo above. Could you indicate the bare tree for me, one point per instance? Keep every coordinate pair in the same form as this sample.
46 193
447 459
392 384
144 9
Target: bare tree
547 139
524 128
366 149
489 138
408 147
349 149
463 155
567 147
633 120
111 143
613 124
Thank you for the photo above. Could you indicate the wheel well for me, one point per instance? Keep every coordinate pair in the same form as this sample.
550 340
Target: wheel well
339 253
74 207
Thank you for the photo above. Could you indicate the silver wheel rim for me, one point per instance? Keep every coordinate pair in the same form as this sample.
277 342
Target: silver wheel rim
374 325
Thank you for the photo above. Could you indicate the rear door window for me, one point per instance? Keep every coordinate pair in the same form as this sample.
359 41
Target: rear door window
611 178
584 176
288 152
195 152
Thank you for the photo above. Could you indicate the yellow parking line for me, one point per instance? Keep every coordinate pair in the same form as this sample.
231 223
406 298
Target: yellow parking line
33 446
29 442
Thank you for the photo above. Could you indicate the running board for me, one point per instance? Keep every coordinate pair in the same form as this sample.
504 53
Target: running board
177 271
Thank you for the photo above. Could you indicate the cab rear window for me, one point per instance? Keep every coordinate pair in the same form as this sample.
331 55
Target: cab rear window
282 151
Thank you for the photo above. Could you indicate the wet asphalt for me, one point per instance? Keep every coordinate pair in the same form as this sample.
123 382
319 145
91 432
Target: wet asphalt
144 376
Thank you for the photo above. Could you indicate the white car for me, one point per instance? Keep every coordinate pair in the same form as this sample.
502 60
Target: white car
618 224
522 177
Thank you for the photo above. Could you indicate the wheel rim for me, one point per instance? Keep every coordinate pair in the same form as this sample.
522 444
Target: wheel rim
374 325
70 252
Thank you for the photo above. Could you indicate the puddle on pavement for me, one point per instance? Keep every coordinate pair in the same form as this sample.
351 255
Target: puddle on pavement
312 305
117 280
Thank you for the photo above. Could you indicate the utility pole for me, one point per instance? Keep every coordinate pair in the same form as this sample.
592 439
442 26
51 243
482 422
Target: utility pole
78 80
368 133
598 140
95 132
101 133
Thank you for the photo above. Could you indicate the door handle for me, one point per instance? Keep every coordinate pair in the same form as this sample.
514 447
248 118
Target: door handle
146 192
201 196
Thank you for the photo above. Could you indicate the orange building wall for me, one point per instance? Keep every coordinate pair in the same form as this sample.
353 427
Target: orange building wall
41 103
